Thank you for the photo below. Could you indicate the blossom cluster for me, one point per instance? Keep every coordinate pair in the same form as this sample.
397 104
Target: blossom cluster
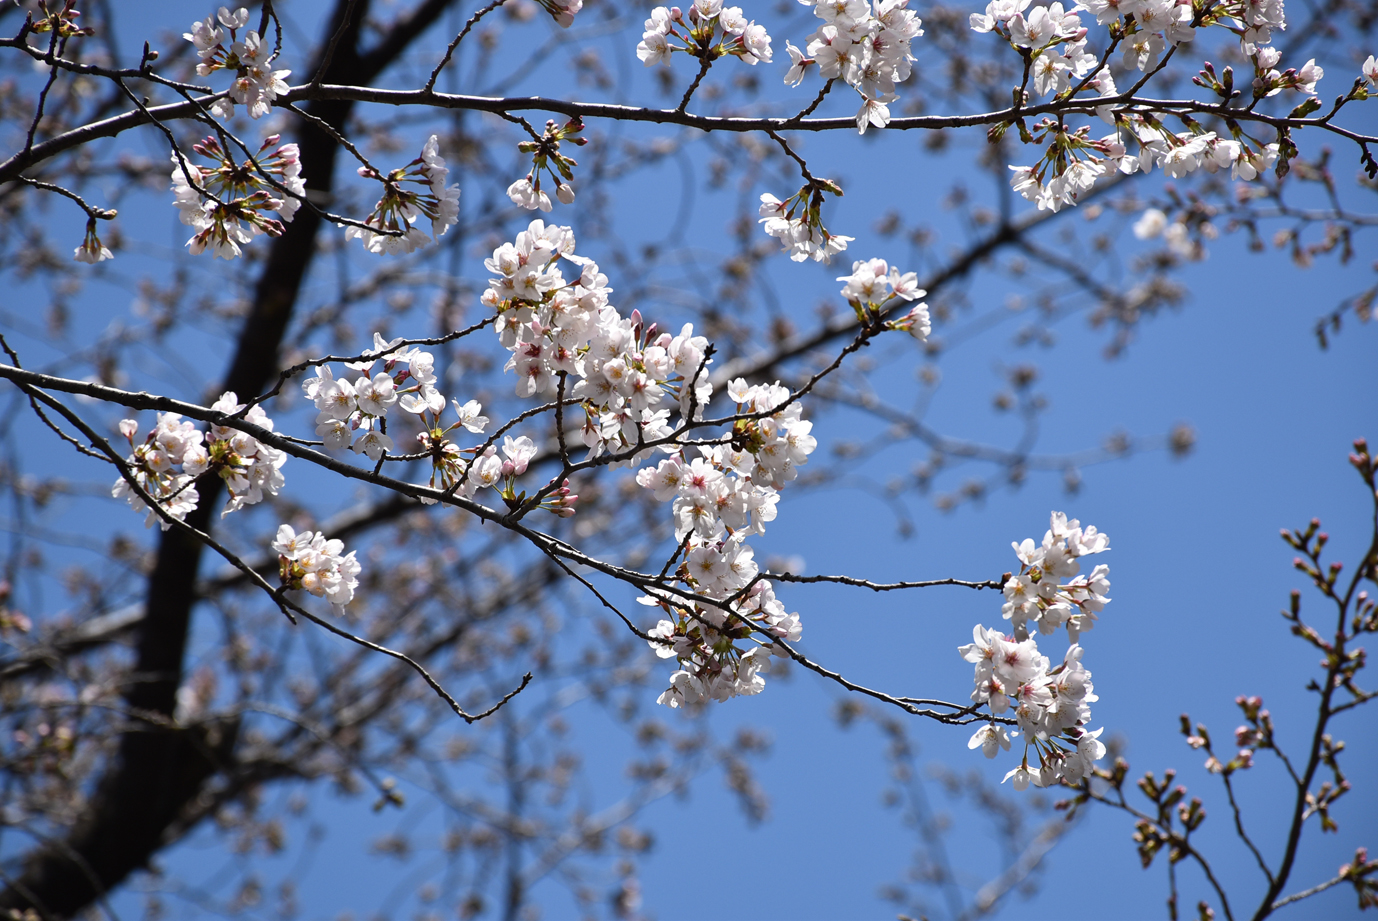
626 375
250 59
1049 588
1051 704
865 45
798 224
390 228
874 286
710 31
249 468
1051 707
1054 40
310 562
719 499
1255 21
353 414
1037 34
154 465
1074 161
228 204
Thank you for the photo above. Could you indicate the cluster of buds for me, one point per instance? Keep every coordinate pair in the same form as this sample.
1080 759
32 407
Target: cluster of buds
1255 734
546 157
228 204
256 84
803 236
561 502
63 21
710 31
390 227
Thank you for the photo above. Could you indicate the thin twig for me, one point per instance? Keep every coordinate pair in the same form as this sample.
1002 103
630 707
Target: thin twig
450 50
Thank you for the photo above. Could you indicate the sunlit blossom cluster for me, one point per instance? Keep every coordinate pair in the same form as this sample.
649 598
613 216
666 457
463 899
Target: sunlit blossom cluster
865 45
353 414
249 468
874 286
155 465
1054 41
1049 588
249 59
1051 704
709 30
171 457
1074 161
228 204
625 375
311 563
797 223
1051 707
414 191
719 498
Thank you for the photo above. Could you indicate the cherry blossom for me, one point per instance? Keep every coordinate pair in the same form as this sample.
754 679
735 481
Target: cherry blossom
709 31
868 49
718 499
153 464
92 250
256 84
228 204
873 288
1051 707
804 236
562 11
308 561
625 374
1037 591
391 227
249 468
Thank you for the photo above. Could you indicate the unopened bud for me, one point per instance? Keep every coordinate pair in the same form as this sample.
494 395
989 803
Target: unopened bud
565 192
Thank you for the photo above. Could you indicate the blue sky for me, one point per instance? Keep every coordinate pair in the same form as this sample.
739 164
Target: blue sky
1198 571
